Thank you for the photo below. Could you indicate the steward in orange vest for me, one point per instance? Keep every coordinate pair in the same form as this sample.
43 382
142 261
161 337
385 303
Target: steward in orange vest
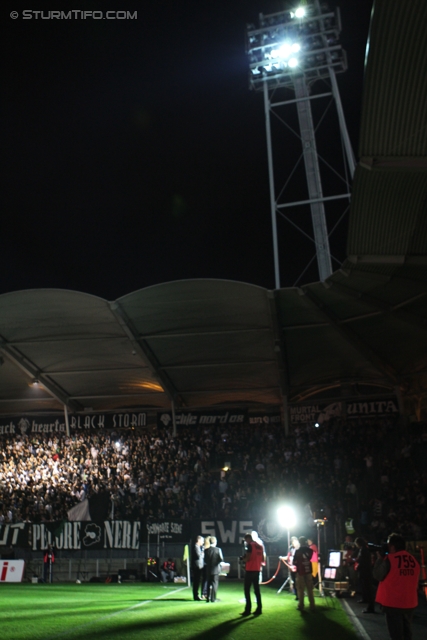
398 575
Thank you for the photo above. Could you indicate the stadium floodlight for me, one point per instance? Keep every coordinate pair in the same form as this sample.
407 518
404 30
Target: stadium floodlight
311 31
316 32
284 52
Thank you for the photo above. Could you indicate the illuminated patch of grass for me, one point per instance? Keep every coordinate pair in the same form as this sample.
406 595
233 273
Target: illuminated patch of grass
156 612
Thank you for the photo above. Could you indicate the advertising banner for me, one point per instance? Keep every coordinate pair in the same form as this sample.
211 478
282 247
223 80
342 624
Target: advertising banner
263 419
11 570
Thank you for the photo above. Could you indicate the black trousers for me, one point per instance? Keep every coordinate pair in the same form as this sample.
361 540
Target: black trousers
399 622
48 572
204 580
252 578
213 581
197 575
367 588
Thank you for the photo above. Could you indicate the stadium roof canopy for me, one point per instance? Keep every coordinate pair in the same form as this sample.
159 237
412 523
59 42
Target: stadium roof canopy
203 343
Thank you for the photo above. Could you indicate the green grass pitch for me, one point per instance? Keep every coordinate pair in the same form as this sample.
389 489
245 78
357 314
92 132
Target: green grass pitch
159 612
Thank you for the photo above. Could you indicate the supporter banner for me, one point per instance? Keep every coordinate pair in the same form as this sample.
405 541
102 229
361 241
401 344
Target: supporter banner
203 418
107 421
227 532
78 423
372 408
320 413
91 422
167 531
11 570
116 534
13 535
119 534
26 425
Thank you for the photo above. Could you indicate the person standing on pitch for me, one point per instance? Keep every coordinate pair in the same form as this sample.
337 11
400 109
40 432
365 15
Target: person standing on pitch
398 574
213 559
364 569
198 562
302 561
256 538
289 562
314 557
253 558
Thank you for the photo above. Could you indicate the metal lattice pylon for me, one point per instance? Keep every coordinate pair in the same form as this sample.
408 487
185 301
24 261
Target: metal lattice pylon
291 50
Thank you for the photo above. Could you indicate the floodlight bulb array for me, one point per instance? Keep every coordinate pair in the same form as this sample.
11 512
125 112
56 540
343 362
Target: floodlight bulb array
288 44
285 51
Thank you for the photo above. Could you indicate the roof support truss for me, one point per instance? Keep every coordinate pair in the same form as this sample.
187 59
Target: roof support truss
33 372
141 347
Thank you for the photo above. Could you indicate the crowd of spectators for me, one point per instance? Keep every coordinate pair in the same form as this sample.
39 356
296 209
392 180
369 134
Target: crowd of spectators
369 470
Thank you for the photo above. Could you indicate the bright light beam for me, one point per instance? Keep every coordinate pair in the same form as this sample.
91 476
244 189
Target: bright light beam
286 516
285 51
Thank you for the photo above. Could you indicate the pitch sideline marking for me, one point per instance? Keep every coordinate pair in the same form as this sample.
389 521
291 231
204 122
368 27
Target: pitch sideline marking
111 615
356 621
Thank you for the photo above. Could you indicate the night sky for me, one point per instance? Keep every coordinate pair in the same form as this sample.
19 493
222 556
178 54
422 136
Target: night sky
135 153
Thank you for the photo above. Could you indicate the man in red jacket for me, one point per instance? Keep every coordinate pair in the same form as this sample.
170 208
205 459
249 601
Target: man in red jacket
398 575
253 559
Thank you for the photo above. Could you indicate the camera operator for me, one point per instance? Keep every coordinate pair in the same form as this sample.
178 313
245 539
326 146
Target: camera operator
350 552
397 573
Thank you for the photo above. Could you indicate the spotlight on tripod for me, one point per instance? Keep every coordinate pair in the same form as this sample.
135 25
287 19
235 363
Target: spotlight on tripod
320 523
287 519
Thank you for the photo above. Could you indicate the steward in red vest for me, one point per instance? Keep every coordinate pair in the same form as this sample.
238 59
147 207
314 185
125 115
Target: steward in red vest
398 575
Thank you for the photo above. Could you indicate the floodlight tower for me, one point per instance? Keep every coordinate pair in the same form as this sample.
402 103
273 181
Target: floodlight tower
292 50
